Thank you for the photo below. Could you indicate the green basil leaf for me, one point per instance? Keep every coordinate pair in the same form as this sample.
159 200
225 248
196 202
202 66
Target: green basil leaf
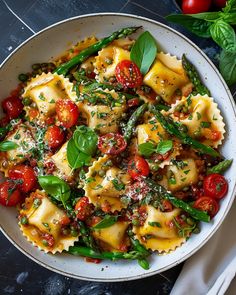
8 146
199 27
208 16
230 18
107 221
154 223
223 34
147 149
230 6
55 187
85 140
144 52
228 66
119 186
164 146
75 157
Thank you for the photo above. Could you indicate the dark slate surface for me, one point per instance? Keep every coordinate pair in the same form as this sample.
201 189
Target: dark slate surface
19 19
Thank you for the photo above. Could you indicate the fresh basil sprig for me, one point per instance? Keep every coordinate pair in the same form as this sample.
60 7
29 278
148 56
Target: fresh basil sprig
218 26
55 187
8 145
107 221
81 147
144 52
148 148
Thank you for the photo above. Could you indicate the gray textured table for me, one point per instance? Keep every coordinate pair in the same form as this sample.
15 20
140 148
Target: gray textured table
20 19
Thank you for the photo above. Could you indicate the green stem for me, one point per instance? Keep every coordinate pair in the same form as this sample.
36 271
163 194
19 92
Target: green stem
195 213
133 120
84 54
220 167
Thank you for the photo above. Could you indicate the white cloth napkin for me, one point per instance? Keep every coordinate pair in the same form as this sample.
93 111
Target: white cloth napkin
211 270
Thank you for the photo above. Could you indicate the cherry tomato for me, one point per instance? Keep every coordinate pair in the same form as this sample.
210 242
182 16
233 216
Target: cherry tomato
33 113
67 112
83 208
54 136
215 186
26 175
9 195
133 102
65 220
128 74
195 6
112 143
12 106
219 3
137 167
207 204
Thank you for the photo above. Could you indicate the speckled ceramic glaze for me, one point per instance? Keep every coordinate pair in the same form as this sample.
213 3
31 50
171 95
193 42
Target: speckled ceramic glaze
50 43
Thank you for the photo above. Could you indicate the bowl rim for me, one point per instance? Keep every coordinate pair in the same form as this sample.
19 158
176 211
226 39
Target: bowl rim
231 100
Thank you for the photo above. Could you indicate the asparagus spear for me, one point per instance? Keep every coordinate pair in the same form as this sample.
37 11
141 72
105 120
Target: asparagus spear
172 128
220 167
194 77
133 120
195 213
86 236
84 54
88 252
141 249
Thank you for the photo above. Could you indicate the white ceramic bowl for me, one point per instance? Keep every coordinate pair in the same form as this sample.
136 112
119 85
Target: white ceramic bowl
50 43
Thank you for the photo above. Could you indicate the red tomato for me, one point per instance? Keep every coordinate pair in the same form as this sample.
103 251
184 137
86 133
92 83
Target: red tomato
137 167
65 220
167 206
12 106
128 74
219 3
112 143
195 6
67 112
9 195
207 204
133 102
83 208
54 136
33 113
26 175
215 186
93 260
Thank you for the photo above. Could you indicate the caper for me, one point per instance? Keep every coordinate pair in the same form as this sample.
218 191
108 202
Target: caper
74 233
155 204
101 173
24 220
26 101
196 230
23 77
185 110
159 177
51 65
45 242
185 189
36 67
190 221
135 222
94 173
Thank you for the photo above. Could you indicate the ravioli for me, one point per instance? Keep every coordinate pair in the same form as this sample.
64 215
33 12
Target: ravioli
43 219
162 238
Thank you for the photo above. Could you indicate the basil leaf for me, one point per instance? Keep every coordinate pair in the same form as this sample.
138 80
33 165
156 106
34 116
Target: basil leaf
144 52
230 18
119 186
164 146
228 66
206 15
85 140
8 145
223 34
106 222
154 223
55 187
75 157
199 27
230 6
146 149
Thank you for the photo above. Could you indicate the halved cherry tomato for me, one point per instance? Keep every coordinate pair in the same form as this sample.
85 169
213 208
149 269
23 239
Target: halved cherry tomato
9 194
26 175
67 112
12 106
54 136
215 186
128 74
207 204
133 102
137 167
112 143
83 208
219 3
195 6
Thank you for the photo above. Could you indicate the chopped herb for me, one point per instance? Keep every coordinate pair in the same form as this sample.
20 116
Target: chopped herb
41 96
199 116
52 101
186 171
205 124
154 223
119 186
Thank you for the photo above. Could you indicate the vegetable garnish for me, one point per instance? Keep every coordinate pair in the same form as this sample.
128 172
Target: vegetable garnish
117 157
